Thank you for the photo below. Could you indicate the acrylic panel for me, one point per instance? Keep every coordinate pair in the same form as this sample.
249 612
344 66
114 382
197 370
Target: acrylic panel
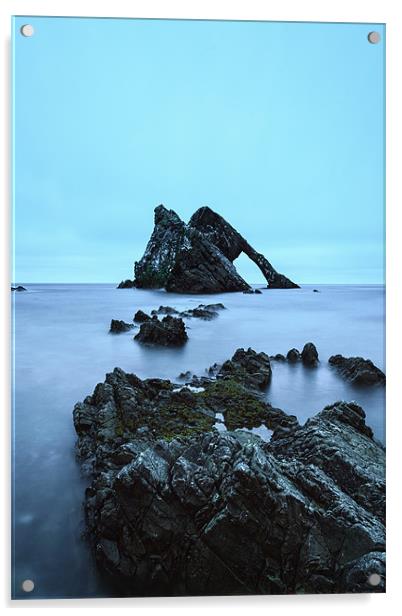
213 424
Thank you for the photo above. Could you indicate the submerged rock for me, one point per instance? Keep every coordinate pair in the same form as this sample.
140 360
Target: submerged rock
118 327
126 284
177 508
309 354
204 311
198 257
141 316
171 331
165 310
358 370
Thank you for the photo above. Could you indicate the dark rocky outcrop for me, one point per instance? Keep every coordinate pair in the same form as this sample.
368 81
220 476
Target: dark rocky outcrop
176 507
198 257
141 316
248 368
118 327
165 310
204 311
170 331
293 355
309 354
18 289
358 370
126 284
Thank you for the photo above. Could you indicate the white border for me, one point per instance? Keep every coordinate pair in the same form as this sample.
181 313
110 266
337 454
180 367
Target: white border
380 11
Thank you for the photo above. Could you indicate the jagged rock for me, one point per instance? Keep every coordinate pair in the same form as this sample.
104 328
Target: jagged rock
141 316
118 327
293 355
248 367
176 508
258 292
165 310
126 284
358 370
204 311
198 257
309 354
18 289
168 332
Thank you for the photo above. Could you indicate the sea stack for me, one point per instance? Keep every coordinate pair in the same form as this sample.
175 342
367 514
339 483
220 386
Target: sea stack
197 257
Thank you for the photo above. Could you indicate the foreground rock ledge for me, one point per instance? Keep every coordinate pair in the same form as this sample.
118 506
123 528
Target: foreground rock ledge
176 507
198 257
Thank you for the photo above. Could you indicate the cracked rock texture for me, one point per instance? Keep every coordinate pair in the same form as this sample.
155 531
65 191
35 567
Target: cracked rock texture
175 507
358 370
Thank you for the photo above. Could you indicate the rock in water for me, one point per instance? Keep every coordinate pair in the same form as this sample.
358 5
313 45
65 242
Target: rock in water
358 370
18 289
293 355
171 331
165 310
198 257
249 368
177 508
126 284
309 354
141 316
117 327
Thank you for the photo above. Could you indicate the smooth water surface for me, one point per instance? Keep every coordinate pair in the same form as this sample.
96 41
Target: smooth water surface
62 349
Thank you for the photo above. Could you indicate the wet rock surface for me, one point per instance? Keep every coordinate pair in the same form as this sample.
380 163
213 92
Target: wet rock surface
358 370
176 507
170 331
198 257
118 327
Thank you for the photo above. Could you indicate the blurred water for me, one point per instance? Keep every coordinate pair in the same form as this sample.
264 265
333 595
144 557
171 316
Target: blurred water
62 349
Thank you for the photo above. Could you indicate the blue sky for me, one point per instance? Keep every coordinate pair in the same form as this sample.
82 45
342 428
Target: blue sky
277 126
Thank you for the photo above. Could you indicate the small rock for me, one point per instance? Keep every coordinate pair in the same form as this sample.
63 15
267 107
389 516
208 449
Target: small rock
278 357
309 354
118 327
248 292
171 331
19 288
258 292
293 355
165 310
316 291
141 316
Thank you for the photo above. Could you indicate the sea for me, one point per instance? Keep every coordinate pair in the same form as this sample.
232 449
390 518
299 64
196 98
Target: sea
62 349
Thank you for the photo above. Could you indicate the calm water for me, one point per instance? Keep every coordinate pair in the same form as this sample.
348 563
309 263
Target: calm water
62 349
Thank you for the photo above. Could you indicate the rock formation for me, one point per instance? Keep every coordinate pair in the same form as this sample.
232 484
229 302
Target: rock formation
309 354
358 370
18 289
168 332
176 507
198 257
118 327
